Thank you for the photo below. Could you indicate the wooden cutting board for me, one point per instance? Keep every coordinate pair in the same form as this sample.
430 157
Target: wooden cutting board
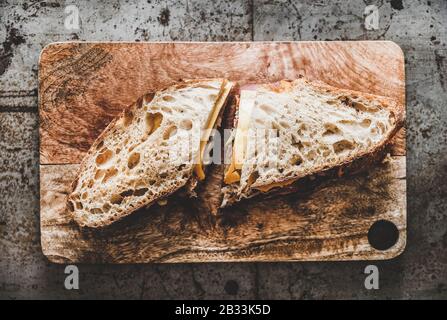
84 85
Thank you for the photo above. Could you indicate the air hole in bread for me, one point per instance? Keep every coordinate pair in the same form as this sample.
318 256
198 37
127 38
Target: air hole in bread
296 160
163 175
126 193
284 124
96 210
100 145
109 174
343 145
267 108
166 109
311 155
106 207
170 132
134 160
153 122
99 174
365 123
358 106
345 100
186 124
90 183
331 129
168 98
84 195
103 158
79 205
116 199
140 192
297 143
139 183
381 127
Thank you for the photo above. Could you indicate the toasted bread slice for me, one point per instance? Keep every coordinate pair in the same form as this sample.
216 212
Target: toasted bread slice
295 129
153 149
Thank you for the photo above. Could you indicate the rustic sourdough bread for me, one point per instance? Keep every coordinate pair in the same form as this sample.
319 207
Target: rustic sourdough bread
316 128
143 155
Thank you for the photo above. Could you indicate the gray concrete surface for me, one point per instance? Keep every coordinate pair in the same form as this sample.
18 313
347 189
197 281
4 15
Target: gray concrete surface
419 27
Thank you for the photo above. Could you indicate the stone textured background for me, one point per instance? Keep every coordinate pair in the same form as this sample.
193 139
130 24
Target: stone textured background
419 27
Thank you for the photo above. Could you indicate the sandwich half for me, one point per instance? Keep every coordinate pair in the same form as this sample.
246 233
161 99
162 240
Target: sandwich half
294 129
151 150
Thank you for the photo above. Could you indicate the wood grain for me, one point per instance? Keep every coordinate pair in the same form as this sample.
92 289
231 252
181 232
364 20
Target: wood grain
84 85
330 224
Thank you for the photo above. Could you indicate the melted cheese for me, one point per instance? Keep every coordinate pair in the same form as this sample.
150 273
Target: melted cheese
247 102
225 90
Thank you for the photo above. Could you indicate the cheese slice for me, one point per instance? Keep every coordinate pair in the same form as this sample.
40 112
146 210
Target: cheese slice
240 141
210 124
246 105
232 176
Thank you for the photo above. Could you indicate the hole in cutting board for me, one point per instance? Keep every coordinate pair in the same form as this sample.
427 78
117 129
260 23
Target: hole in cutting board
383 234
